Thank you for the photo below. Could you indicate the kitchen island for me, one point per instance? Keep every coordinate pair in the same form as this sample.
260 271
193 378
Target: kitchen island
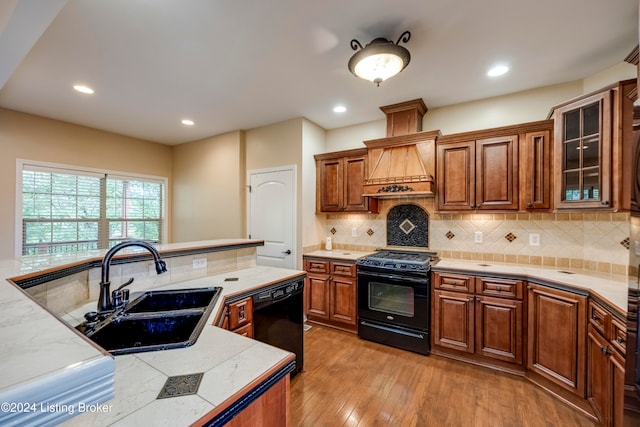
236 370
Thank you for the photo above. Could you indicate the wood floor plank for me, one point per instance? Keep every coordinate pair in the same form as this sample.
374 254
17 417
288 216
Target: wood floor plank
349 382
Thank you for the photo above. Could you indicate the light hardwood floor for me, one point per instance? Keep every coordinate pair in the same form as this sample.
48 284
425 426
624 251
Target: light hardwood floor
352 382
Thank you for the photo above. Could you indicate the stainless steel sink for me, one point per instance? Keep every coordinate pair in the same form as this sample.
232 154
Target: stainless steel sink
155 320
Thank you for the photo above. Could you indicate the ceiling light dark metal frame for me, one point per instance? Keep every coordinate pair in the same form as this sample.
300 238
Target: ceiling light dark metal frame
380 46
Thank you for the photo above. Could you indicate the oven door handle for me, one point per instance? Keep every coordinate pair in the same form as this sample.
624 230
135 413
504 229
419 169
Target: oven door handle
420 281
394 330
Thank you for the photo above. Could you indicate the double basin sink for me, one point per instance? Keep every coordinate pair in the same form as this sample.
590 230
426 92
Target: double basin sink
154 320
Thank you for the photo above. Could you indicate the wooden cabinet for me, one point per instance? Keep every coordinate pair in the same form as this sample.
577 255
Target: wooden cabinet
535 169
605 365
556 337
478 315
506 168
238 317
478 174
593 149
330 293
340 182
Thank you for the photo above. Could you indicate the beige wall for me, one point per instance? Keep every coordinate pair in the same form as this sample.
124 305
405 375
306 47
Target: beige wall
209 188
24 136
313 142
279 144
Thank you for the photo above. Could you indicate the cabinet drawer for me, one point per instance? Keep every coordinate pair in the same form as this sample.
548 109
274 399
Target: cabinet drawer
598 317
315 266
619 336
453 282
503 288
240 313
245 331
343 269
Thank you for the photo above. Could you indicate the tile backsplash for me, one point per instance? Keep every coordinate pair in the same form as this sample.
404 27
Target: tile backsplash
592 241
62 296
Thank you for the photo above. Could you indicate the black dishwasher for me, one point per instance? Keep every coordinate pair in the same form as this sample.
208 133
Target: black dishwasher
278 318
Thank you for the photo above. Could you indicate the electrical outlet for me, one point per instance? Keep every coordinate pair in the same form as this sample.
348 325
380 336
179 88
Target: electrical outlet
534 239
354 232
199 263
478 237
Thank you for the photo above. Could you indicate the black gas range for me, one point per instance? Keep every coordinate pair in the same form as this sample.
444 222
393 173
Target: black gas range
398 261
394 298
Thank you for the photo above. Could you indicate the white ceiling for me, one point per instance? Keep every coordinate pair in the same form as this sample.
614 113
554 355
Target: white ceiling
240 64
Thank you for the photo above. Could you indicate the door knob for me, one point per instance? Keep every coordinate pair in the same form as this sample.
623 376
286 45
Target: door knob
287 252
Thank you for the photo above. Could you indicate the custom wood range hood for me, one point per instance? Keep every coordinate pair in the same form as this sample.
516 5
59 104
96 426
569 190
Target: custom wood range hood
403 163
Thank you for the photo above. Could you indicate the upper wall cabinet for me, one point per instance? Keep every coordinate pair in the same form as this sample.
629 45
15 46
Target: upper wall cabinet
496 169
339 182
593 144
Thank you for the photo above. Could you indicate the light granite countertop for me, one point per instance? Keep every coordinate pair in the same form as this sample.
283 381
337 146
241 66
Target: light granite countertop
229 362
338 254
612 288
42 359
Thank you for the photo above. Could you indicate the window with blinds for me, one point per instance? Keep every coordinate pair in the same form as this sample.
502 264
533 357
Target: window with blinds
69 211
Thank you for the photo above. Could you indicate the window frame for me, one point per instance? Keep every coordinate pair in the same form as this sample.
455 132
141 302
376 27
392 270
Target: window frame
77 170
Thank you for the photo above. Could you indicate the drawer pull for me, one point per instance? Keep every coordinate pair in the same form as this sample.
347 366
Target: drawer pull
596 318
620 340
605 350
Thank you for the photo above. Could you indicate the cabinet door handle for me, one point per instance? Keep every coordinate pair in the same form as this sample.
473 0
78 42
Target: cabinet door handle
605 350
604 203
529 205
594 317
620 340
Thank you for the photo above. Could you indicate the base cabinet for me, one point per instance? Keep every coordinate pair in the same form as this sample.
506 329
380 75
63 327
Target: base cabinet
605 366
478 315
557 353
331 294
238 316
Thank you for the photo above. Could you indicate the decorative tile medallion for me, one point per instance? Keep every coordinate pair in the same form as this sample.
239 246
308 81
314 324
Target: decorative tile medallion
333 230
370 232
408 225
450 235
510 237
626 243
181 385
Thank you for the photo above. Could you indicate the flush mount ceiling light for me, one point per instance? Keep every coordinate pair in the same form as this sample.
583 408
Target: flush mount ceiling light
498 70
83 89
380 59
339 109
187 122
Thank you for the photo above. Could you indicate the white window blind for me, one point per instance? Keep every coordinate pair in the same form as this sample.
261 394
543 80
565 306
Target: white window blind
67 210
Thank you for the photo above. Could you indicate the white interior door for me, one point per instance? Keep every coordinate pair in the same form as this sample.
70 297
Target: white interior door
271 212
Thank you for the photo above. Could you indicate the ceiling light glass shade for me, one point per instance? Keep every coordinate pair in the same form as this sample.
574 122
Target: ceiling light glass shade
380 59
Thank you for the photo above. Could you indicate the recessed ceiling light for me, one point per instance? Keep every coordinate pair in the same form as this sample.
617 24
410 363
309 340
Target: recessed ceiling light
83 89
339 109
497 71
188 122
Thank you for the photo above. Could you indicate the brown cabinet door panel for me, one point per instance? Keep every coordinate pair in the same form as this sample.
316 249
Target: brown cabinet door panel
318 296
499 329
497 173
556 336
355 173
597 388
536 190
455 176
343 300
453 320
332 186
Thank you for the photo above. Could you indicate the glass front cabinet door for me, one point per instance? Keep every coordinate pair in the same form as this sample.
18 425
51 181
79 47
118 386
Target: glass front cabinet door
583 153
593 138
